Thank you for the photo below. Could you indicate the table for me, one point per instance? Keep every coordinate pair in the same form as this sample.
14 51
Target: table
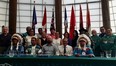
57 61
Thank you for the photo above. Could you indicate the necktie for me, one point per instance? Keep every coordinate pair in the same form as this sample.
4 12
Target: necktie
64 50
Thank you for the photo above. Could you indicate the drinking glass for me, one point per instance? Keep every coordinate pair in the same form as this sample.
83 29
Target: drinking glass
102 54
108 53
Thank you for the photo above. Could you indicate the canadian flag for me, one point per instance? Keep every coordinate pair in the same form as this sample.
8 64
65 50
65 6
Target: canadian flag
44 21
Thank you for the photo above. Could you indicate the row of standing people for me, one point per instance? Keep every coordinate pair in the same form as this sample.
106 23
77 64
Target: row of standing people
106 41
22 42
97 44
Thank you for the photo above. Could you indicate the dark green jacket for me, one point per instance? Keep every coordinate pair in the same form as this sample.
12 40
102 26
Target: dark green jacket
96 40
108 42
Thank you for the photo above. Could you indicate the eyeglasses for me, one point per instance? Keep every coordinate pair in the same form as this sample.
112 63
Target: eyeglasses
33 40
81 41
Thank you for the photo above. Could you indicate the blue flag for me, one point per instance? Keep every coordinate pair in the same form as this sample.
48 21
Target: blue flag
52 21
65 20
34 20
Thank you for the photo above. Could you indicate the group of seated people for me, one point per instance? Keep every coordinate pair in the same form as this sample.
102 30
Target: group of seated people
43 44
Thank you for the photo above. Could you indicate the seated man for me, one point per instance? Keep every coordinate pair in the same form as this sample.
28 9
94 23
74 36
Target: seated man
65 49
49 48
16 48
33 49
82 49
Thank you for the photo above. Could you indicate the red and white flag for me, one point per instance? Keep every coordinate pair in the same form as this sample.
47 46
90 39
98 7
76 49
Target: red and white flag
44 21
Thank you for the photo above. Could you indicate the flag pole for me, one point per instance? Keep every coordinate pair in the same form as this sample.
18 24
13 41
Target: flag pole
75 14
65 25
66 28
34 25
52 26
34 19
42 7
44 21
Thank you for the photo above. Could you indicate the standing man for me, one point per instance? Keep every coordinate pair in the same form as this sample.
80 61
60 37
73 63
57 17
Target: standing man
96 45
27 31
103 32
5 38
108 42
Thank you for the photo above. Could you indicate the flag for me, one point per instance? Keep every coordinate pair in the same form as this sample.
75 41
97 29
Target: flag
52 21
88 24
81 19
72 23
44 21
34 19
65 20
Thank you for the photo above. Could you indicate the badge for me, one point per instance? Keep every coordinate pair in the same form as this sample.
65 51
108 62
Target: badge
105 42
83 53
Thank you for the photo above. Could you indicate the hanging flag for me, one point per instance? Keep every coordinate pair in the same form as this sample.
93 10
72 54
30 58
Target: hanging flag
34 19
65 20
88 24
81 19
44 21
72 23
52 21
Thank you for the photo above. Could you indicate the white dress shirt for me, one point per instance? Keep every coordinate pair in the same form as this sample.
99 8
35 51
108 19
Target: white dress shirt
33 50
28 39
69 50
57 41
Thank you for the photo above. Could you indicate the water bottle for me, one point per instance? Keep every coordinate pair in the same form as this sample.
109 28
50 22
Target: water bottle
11 53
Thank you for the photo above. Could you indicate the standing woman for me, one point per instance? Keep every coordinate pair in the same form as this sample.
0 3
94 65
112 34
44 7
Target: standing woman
57 39
28 38
74 40
66 35
43 39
